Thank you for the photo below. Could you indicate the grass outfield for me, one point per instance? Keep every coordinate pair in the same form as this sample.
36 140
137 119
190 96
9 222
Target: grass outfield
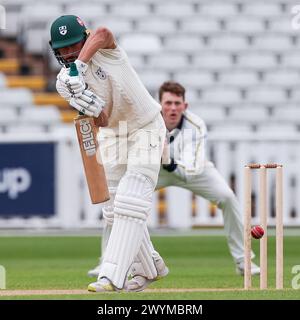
195 262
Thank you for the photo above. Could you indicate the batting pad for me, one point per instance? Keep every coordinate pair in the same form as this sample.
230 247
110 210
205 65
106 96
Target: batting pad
108 209
131 208
108 214
105 236
144 263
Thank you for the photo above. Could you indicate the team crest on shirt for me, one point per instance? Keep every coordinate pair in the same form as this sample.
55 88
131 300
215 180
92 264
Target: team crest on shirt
63 30
101 74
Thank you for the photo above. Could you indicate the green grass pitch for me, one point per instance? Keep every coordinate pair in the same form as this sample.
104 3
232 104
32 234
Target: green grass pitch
199 262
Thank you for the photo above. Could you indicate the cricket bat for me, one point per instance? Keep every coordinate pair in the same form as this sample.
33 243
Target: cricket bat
87 138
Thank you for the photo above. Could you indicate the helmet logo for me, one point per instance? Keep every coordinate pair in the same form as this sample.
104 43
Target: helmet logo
80 21
63 30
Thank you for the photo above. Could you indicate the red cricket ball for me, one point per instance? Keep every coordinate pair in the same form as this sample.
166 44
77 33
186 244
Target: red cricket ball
257 232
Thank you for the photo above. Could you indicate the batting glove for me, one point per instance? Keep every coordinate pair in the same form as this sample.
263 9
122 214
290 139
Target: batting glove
74 84
88 103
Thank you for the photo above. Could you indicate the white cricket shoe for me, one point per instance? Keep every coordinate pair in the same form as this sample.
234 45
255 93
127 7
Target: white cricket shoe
139 283
94 272
102 285
240 267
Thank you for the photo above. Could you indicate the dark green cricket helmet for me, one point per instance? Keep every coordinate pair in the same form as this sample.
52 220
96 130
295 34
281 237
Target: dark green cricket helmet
66 31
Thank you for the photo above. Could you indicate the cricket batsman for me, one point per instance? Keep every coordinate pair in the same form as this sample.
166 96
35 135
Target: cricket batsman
131 142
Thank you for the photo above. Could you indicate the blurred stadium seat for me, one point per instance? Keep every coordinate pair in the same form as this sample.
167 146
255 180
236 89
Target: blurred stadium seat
9 65
257 60
168 61
287 113
204 26
26 128
231 128
282 77
152 79
239 77
295 94
245 24
210 114
192 96
15 97
194 79
2 80
13 14
8 116
277 129
178 10
213 60
118 25
263 9
280 25
40 14
87 13
273 42
221 94
30 82
30 37
130 9
142 43
291 59
219 9
137 60
42 115
250 114
184 43
156 25
266 94
35 20
228 42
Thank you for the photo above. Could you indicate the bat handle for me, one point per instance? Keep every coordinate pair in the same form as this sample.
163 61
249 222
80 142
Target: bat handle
73 73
